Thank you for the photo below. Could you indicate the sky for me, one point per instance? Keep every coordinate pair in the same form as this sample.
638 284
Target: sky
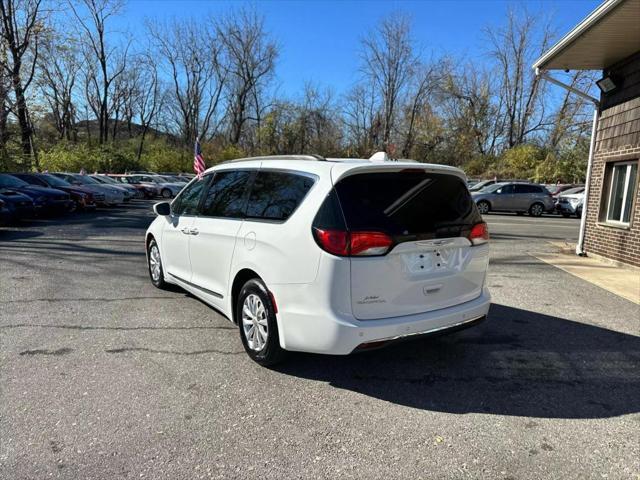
319 40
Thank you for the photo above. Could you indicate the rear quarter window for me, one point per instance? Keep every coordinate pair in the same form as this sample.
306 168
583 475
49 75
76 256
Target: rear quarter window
275 195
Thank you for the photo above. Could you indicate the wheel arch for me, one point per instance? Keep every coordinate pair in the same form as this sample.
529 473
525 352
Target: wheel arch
241 277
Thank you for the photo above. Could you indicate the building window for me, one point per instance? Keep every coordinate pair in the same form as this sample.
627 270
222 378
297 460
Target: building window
621 186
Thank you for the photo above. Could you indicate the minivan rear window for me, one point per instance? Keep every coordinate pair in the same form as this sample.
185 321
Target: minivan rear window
415 203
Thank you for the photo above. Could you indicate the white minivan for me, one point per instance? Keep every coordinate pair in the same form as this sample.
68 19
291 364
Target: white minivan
323 255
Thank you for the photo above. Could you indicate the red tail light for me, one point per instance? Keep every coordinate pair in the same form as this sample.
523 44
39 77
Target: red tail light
479 234
370 243
333 241
339 242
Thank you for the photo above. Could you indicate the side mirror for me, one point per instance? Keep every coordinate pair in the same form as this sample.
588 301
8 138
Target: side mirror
162 209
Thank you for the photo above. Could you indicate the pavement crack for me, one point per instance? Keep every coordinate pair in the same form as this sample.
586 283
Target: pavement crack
170 352
60 351
92 327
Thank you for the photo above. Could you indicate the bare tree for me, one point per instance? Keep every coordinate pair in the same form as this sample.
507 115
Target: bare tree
148 100
250 58
21 26
472 110
59 66
514 47
362 120
5 107
111 61
424 83
570 115
191 57
389 63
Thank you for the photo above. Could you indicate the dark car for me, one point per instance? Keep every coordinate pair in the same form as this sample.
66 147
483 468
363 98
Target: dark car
45 199
81 196
15 206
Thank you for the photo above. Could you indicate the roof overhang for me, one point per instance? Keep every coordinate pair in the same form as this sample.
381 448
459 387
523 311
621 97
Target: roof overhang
609 34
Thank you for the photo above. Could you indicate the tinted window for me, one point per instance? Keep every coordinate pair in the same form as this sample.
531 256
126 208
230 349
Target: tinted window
275 195
54 181
7 181
32 179
412 203
225 197
188 200
528 189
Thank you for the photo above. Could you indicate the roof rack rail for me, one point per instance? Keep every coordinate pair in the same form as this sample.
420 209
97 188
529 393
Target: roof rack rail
313 157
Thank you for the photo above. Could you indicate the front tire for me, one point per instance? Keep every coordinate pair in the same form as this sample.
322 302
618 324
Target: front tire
483 207
156 272
256 317
166 193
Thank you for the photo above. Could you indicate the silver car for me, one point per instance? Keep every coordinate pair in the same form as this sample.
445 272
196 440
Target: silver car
514 197
570 203
103 194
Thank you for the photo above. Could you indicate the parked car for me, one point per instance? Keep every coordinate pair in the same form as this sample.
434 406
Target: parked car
479 185
571 202
482 184
558 188
514 197
326 256
82 198
174 179
109 196
165 189
148 190
46 200
129 190
15 206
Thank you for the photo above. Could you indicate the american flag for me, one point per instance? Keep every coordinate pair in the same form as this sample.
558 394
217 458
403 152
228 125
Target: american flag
198 161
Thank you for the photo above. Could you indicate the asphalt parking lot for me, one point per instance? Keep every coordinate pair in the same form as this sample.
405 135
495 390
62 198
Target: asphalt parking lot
103 376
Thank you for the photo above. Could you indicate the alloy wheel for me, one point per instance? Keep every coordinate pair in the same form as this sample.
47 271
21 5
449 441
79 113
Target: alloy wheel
536 210
254 322
154 262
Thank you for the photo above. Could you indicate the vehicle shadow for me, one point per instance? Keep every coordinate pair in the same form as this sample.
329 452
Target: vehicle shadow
518 362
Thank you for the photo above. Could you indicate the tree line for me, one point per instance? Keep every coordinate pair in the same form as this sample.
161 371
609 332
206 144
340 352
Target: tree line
75 92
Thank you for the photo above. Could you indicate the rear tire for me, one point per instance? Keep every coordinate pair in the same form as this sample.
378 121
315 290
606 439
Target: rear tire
166 193
256 317
536 210
483 207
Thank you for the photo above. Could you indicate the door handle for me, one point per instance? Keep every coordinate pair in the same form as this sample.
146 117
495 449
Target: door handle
185 230
194 231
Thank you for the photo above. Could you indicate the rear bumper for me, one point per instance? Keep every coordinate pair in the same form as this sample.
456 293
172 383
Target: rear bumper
329 333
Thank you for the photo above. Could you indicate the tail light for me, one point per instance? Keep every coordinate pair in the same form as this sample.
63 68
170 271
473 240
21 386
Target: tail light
347 244
479 234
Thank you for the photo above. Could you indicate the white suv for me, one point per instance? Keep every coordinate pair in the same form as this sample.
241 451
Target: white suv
326 255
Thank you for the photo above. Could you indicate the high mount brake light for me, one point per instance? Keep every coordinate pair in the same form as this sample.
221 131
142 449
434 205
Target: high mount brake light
479 234
360 244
